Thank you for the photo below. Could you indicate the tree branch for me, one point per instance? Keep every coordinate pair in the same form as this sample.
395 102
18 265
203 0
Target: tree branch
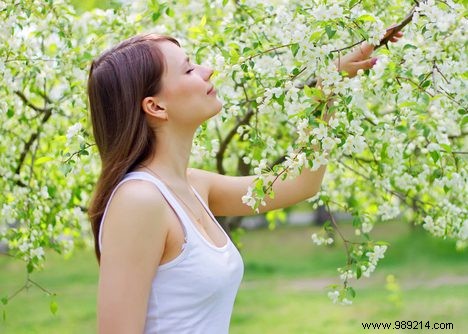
86 146
224 144
394 30
395 193
32 139
30 104
384 41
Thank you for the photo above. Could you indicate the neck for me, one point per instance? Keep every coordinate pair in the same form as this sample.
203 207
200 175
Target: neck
172 154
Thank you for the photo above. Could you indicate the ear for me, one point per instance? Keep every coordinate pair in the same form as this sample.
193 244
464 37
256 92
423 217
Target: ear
153 107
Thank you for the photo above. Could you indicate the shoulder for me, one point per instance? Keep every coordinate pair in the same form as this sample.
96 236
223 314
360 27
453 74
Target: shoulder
139 197
137 211
140 193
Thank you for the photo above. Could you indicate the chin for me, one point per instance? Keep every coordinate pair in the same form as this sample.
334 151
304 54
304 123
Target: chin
218 107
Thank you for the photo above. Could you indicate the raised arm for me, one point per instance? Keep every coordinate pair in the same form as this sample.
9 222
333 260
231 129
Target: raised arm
225 192
133 244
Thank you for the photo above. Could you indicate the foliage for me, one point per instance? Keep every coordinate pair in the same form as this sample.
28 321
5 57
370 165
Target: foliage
282 290
396 146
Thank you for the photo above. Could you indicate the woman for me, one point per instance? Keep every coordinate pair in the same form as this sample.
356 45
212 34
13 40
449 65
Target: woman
166 266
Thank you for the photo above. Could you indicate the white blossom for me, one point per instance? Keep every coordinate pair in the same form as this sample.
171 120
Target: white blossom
73 130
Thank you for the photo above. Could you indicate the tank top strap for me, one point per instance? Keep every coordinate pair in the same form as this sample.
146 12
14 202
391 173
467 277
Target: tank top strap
207 209
179 211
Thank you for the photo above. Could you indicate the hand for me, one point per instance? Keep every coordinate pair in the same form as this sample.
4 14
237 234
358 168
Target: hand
359 58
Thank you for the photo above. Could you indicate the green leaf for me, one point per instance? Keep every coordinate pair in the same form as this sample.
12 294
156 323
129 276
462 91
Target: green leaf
366 17
426 98
315 36
436 174
5 300
446 147
401 128
356 221
295 49
382 243
30 267
464 121
383 152
352 3
358 272
170 12
234 54
155 16
53 307
203 21
409 46
42 160
435 155
352 292
330 31
426 84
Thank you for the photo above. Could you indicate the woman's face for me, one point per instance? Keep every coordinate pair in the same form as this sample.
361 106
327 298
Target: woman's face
187 94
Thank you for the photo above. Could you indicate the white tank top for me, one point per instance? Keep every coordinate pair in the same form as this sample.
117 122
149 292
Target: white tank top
195 292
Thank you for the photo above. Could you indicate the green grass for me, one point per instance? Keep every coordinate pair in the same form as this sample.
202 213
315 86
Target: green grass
283 291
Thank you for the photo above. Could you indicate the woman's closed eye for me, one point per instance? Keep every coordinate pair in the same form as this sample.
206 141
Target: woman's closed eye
190 70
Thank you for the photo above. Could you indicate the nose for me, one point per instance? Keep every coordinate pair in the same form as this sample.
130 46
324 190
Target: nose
206 72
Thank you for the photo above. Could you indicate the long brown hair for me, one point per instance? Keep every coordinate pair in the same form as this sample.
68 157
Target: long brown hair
118 81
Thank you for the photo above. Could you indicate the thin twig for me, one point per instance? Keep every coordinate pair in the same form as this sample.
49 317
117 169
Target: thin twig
41 287
30 104
269 50
78 152
224 144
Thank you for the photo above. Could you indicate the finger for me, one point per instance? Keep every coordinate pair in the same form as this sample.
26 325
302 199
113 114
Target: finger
391 34
362 51
390 30
396 38
365 64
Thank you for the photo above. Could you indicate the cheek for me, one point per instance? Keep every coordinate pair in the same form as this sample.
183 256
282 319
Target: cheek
185 90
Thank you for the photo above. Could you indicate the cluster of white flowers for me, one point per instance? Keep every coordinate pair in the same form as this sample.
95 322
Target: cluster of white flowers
334 295
319 160
374 257
318 240
27 245
354 144
73 130
388 211
346 274
199 153
337 297
261 167
294 164
323 12
251 201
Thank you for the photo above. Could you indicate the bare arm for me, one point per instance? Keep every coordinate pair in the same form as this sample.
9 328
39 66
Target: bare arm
133 244
225 192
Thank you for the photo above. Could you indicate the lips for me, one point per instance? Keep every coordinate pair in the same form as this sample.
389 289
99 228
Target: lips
211 90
